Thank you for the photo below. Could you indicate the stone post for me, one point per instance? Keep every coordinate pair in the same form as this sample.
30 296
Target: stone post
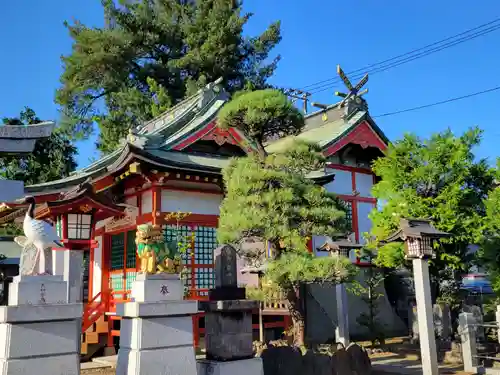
40 332
425 319
497 318
342 329
73 274
228 323
468 339
156 334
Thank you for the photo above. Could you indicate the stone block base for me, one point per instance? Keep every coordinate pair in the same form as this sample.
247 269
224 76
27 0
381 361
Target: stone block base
179 360
228 335
251 366
158 332
40 339
157 288
37 290
68 364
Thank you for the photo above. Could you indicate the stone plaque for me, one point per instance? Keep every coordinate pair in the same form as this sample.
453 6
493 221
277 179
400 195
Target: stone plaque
225 267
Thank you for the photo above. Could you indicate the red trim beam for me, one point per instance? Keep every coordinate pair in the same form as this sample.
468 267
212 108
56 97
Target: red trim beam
362 135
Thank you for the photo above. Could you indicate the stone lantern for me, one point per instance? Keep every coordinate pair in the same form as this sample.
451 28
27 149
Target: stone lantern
341 247
418 236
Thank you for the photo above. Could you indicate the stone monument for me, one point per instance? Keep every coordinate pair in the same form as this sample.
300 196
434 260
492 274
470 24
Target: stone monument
228 322
156 335
442 321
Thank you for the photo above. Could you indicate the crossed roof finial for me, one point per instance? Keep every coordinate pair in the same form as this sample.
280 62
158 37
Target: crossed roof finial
353 90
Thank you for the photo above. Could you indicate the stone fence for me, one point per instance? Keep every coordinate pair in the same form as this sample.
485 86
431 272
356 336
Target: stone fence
472 336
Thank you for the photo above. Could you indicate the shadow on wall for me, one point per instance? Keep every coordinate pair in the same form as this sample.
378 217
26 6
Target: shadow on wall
281 359
322 314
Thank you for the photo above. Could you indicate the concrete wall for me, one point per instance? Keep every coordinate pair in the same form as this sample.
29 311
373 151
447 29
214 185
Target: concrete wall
321 305
322 314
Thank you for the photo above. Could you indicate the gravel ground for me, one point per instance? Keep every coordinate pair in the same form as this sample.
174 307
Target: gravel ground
105 371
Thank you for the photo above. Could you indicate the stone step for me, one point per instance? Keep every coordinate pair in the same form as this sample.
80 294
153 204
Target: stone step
92 337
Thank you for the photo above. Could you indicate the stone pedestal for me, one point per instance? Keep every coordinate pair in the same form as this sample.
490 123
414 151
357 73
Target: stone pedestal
251 366
228 329
39 331
156 334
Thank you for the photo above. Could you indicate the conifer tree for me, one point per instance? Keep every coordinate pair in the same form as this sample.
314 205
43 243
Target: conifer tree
151 55
269 196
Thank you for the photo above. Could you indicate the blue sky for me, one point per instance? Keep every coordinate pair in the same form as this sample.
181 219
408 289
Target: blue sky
316 37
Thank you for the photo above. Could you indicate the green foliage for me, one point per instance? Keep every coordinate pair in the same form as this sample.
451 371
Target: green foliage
262 115
153 54
273 200
438 179
489 254
291 269
369 292
52 158
256 294
269 197
10 230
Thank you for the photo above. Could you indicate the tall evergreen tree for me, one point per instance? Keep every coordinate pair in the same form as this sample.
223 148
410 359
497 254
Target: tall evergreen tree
153 53
51 159
438 179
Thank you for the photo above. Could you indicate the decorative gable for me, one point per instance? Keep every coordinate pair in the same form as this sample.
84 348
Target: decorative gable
221 137
362 135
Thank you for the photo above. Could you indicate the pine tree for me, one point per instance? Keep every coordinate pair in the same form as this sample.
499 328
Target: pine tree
151 55
271 198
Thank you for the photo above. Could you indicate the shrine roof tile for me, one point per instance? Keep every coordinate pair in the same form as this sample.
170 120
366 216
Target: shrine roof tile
322 135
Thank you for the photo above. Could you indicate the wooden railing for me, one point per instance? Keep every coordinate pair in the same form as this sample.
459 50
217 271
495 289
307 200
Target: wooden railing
276 302
94 310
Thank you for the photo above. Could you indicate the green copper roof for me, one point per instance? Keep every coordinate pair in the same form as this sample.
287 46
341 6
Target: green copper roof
322 135
154 141
190 161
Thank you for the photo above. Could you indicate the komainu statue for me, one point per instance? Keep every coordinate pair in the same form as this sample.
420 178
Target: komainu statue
155 255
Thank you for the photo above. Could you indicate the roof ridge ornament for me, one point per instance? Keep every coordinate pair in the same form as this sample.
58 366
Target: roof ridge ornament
352 102
209 92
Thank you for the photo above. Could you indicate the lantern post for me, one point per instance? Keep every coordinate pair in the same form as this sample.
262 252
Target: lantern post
341 247
418 236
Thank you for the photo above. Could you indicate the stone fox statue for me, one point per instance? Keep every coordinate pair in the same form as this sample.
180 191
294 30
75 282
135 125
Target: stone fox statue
155 255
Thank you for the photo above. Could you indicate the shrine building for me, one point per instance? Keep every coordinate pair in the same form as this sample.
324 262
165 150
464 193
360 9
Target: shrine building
168 172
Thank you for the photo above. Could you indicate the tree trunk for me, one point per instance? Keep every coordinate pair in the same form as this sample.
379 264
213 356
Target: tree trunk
297 314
